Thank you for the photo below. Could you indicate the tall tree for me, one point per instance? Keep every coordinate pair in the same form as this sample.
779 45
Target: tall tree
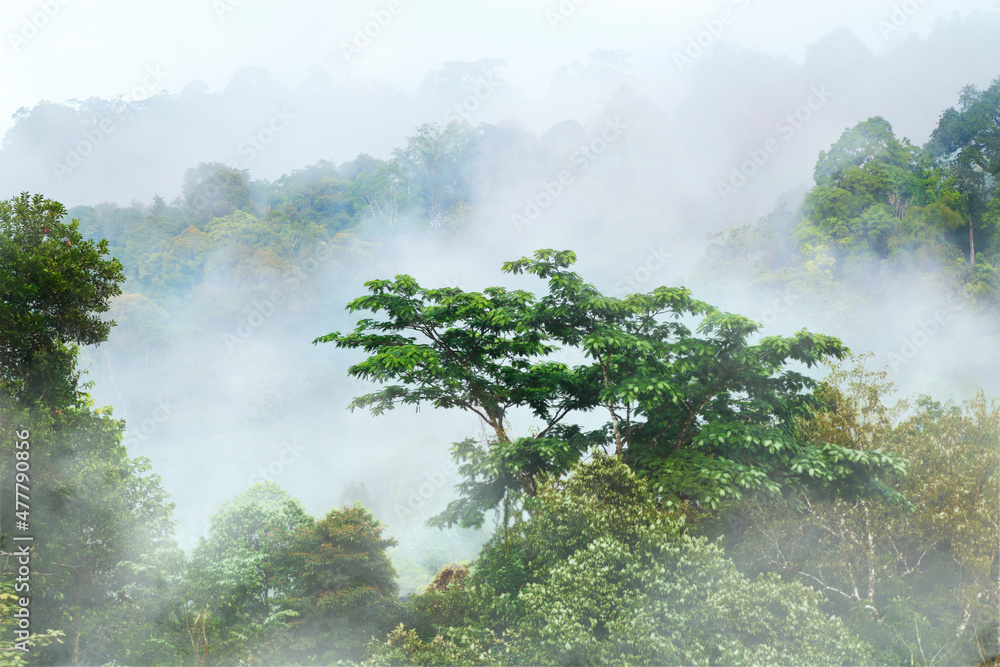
54 285
433 160
344 585
703 417
233 604
96 516
471 351
967 139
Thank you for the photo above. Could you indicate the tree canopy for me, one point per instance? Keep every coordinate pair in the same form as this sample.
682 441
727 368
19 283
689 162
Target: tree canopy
54 285
704 415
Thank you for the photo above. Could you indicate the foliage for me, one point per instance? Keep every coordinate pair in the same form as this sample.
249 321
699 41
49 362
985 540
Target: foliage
95 514
881 208
607 578
232 602
343 584
706 417
406 647
918 580
93 510
12 651
53 287
471 351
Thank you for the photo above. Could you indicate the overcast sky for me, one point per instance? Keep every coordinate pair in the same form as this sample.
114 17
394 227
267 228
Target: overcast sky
62 49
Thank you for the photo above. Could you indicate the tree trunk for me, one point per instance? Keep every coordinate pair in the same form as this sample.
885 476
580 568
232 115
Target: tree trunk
972 244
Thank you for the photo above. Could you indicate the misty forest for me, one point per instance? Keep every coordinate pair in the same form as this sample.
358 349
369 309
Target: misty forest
407 409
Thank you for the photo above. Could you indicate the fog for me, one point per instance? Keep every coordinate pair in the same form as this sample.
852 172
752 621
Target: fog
645 111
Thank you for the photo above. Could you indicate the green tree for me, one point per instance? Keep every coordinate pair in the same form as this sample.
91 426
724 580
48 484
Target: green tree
967 140
871 147
705 417
96 515
213 190
470 351
599 575
54 286
384 192
434 160
233 605
917 580
344 584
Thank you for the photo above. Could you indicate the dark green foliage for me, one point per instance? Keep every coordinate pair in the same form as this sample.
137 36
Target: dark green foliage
471 351
705 417
99 520
54 286
598 575
343 584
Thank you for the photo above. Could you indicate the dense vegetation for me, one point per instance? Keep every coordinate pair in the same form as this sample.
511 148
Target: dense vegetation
885 212
732 509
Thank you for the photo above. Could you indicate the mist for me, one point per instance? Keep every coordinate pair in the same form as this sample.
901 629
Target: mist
616 130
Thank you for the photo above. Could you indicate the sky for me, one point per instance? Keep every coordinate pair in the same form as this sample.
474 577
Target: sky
58 50
709 84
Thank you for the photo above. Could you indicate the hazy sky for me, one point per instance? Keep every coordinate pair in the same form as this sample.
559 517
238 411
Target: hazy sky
62 49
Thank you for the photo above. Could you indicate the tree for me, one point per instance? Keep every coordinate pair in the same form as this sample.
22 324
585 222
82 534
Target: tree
704 418
96 515
213 190
471 351
433 160
233 604
967 140
53 287
383 191
599 575
919 581
870 146
344 585
615 581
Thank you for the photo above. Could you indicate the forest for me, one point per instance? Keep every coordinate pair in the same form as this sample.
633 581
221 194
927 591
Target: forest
690 487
